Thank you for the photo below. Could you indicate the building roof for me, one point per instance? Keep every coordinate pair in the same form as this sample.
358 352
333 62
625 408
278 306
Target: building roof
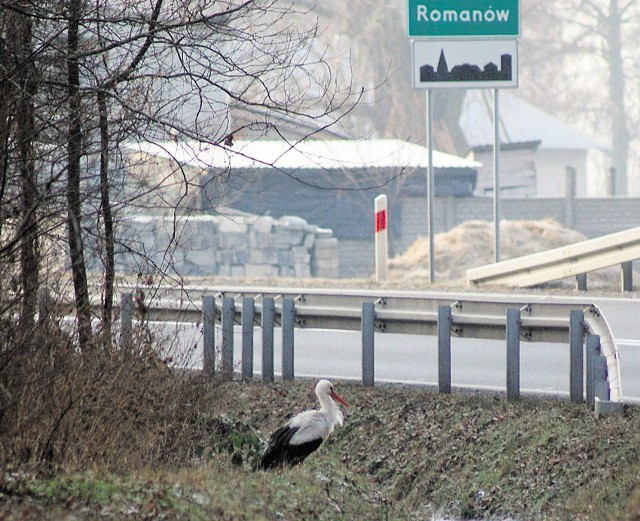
519 122
307 154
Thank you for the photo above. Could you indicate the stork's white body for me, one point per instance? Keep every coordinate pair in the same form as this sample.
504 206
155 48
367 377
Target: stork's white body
305 432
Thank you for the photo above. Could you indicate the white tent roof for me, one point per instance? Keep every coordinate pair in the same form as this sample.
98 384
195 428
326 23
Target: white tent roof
308 154
519 122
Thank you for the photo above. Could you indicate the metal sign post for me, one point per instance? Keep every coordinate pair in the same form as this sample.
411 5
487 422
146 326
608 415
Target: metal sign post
465 44
496 172
430 187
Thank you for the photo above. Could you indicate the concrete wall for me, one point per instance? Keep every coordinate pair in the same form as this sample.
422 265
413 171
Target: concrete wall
357 258
231 245
590 216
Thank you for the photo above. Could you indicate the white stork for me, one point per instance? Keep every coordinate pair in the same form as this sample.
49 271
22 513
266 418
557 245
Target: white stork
305 432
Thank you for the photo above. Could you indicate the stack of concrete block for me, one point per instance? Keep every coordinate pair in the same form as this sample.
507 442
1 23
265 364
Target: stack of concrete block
325 263
230 244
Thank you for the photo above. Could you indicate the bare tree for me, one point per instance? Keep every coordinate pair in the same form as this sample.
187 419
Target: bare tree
75 151
585 52
370 40
18 136
108 73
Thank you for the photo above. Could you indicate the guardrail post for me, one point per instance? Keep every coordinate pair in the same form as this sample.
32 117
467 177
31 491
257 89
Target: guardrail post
209 334
513 354
268 319
248 317
569 195
126 319
581 282
368 345
228 319
627 275
288 325
600 378
593 351
444 349
576 370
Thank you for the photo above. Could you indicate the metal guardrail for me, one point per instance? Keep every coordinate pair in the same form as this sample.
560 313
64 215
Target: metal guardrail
482 316
567 261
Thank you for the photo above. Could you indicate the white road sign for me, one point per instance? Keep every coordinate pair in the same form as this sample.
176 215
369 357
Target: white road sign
467 64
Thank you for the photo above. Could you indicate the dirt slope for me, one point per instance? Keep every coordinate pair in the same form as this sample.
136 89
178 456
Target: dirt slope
471 244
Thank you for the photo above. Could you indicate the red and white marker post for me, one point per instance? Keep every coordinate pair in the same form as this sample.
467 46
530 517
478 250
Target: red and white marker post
381 240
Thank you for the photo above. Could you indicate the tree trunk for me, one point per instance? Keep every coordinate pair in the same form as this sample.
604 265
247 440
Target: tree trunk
74 200
6 124
107 217
619 130
21 49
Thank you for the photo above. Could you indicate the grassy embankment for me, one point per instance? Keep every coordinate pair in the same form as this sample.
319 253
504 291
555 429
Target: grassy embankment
155 446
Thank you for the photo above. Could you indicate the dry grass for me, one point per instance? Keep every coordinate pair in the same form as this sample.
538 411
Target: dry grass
65 409
470 245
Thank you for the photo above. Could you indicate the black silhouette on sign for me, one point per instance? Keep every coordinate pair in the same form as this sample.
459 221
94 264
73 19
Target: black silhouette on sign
466 71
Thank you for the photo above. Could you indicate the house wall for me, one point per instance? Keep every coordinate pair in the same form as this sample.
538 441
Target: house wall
527 172
541 173
551 167
519 166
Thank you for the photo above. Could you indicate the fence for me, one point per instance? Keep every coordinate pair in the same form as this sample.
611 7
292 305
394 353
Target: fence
441 315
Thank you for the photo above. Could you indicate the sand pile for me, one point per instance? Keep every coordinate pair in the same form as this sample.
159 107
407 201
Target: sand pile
471 244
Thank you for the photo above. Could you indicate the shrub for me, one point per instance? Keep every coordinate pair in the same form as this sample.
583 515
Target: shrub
65 408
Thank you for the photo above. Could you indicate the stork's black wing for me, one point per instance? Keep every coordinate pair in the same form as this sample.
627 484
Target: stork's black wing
273 455
280 451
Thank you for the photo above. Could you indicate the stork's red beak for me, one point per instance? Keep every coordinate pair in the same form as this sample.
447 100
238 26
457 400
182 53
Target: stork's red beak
338 398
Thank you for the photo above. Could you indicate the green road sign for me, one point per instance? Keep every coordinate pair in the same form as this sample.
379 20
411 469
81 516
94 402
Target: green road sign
444 18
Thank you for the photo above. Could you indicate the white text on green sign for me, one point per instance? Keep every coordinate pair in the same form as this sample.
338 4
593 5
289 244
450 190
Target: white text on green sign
463 18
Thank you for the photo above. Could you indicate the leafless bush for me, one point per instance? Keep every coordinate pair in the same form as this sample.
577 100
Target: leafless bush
61 407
